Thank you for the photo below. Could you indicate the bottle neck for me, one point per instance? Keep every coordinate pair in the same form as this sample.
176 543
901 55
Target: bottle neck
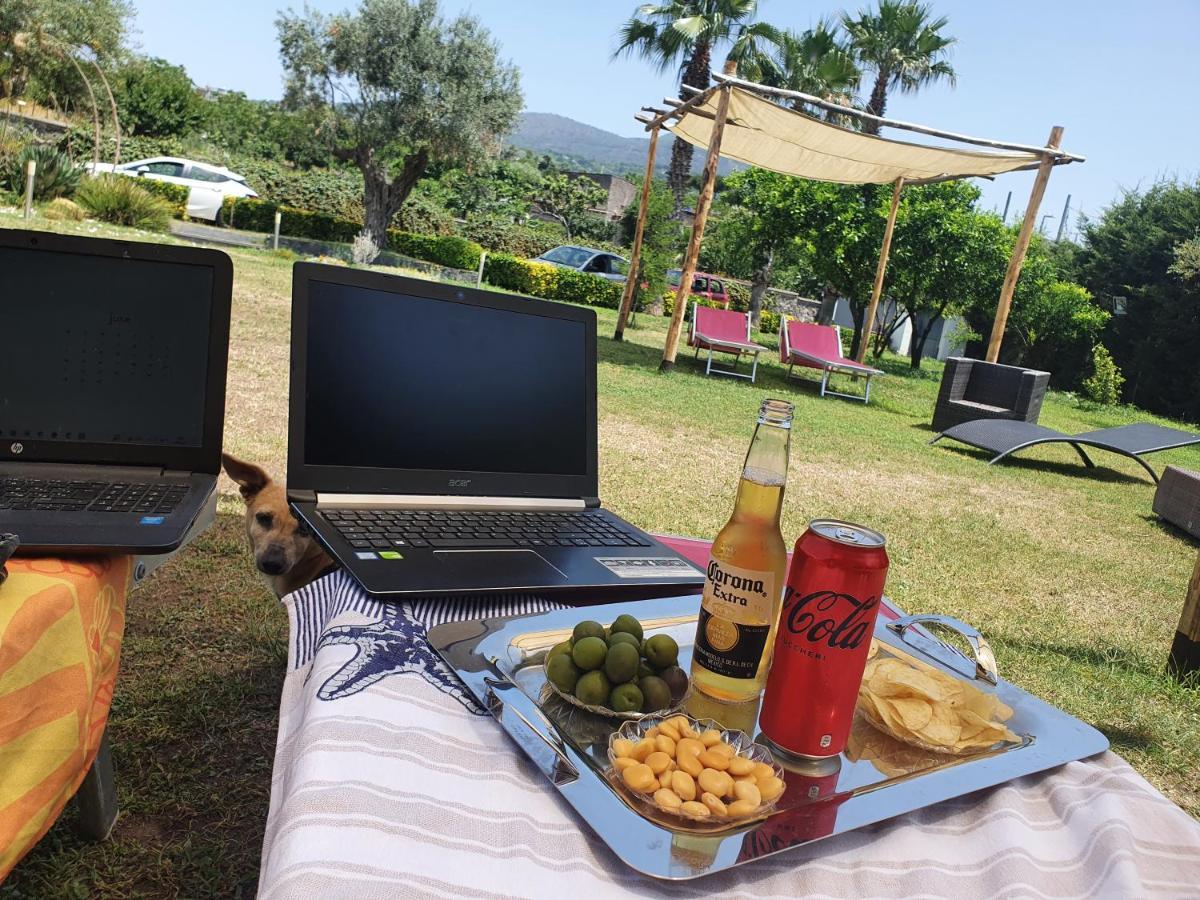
764 475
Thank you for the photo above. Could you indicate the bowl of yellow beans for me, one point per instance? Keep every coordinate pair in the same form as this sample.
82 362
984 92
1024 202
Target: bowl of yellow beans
695 769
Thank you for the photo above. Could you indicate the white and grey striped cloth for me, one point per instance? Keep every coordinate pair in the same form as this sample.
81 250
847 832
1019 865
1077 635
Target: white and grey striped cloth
390 782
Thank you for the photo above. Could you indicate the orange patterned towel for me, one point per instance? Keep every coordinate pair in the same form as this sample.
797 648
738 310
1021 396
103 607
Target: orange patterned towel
61 624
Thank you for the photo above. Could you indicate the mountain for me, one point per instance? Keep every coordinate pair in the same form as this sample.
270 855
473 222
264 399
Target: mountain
575 145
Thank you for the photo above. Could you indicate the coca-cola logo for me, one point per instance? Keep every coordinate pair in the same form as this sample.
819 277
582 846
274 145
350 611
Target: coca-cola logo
839 621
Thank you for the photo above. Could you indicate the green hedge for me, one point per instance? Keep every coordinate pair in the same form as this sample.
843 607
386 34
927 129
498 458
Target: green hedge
259 215
447 250
551 282
175 194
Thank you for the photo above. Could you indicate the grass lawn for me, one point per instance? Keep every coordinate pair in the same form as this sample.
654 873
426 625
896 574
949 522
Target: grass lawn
1066 570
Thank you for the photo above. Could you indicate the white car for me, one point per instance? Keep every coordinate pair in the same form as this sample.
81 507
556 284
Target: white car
209 184
585 259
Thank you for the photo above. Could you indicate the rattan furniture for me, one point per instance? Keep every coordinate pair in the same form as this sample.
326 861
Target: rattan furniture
1177 499
1004 437
973 389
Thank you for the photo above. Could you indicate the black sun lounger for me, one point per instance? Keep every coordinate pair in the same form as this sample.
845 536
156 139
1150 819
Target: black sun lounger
1004 437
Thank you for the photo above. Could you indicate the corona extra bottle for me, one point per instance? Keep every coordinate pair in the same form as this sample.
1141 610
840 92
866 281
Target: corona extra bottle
744 581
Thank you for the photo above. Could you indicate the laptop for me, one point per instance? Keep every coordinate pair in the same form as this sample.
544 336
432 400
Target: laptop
442 440
112 390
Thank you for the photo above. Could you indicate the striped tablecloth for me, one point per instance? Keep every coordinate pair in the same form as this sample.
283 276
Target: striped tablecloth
61 624
389 781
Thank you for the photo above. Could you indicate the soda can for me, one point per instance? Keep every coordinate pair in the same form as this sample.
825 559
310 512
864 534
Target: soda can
834 589
807 809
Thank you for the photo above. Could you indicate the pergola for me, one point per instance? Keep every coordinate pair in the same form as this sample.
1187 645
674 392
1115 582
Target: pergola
744 121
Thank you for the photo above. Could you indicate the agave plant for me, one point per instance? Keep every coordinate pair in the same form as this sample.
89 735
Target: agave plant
56 175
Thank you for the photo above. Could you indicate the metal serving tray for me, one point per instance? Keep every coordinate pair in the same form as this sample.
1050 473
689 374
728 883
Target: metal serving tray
876 778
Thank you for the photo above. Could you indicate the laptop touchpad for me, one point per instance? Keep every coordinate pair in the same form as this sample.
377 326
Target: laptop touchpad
500 568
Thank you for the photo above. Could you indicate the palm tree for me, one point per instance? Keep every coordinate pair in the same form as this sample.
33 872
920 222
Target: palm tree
816 61
903 44
682 35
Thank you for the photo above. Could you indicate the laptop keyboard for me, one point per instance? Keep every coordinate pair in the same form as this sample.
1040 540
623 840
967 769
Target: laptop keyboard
158 497
386 529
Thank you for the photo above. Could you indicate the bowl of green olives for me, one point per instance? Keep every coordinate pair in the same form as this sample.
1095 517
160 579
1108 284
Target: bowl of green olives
616 671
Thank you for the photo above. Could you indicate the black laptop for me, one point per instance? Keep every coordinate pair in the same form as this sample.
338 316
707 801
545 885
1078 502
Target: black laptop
442 440
112 390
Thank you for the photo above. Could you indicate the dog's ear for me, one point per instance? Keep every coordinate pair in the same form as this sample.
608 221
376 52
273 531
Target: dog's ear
249 477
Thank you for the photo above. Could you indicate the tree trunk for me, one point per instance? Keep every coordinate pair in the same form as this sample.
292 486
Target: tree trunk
697 75
916 347
859 312
383 196
759 282
878 102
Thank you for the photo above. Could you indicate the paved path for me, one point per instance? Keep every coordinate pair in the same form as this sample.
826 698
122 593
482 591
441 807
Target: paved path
210 234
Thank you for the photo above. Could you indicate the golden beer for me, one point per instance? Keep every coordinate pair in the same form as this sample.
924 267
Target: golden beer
744 581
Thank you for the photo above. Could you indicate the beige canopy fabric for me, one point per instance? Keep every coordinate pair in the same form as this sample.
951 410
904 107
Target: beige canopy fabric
761 133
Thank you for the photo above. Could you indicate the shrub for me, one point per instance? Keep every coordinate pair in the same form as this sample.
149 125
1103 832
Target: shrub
1103 386
56 175
259 215
518 240
551 282
768 322
175 194
739 296
60 209
122 201
447 250
364 249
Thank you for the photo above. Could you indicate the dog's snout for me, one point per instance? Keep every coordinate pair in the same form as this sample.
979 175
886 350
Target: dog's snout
273 560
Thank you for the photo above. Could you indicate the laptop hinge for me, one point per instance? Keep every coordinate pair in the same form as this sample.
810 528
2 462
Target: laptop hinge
591 502
298 496
443 501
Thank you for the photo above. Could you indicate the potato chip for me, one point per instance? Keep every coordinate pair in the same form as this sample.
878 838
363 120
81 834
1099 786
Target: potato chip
920 705
914 712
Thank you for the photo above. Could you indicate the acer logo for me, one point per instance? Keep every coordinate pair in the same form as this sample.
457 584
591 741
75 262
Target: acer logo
460 482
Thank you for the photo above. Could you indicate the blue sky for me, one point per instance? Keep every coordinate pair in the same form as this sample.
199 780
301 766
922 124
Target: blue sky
1120 77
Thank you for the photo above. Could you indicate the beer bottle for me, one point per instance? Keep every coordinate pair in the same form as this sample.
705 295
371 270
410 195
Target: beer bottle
744 582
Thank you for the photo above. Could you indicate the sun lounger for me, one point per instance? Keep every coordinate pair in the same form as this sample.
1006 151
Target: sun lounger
820 347
1004 437
723 331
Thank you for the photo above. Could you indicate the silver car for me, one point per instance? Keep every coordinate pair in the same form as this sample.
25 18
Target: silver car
584 259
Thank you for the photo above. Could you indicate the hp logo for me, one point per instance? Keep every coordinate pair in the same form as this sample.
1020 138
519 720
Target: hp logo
17 448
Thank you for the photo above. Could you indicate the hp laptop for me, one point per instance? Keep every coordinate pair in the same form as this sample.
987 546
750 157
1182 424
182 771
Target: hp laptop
442 440
112 390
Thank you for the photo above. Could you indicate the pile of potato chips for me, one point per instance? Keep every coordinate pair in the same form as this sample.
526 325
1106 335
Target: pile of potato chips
925 707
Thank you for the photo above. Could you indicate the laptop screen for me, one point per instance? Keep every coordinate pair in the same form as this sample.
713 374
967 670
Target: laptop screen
102 349
396 381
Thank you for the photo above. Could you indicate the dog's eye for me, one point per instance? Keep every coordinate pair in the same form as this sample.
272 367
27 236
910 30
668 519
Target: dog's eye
265 519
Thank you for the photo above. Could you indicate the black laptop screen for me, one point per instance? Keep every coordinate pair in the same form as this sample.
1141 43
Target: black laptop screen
402 382
102 350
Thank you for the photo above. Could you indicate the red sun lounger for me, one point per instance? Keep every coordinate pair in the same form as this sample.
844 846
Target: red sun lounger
723 331
820 347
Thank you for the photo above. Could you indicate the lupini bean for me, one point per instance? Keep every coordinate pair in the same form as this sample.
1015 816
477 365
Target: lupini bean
697 810
638 777
667 799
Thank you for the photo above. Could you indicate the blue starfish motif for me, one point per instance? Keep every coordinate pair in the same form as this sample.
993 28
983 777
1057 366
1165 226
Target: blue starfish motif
395 645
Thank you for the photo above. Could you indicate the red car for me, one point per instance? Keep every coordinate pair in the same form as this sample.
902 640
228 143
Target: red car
705 286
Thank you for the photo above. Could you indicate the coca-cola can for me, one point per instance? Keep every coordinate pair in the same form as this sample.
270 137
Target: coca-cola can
833 593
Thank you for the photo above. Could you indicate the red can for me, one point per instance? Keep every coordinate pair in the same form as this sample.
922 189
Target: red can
834 590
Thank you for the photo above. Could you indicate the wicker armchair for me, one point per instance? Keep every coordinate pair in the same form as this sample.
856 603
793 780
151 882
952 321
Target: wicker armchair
973 389
1178 499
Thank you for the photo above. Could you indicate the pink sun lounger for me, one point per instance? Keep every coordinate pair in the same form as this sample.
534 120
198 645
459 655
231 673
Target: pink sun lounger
723 331
820 347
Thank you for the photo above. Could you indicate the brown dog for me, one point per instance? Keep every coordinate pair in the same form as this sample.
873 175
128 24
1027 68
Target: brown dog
284 549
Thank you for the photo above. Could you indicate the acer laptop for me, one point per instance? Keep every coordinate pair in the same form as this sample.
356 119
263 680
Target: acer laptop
112 390
442 440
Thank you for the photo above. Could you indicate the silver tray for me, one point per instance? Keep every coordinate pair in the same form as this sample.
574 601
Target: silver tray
876 778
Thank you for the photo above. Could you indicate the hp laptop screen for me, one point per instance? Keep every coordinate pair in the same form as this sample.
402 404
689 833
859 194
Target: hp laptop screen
102 350
396 381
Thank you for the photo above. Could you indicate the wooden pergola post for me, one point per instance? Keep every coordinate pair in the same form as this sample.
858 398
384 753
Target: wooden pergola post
1185 652
880 271
635 257
1022 245
708 185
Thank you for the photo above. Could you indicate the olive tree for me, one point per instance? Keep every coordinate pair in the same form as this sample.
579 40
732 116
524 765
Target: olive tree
399 87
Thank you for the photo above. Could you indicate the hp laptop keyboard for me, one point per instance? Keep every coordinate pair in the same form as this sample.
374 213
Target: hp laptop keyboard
385 529
156 497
